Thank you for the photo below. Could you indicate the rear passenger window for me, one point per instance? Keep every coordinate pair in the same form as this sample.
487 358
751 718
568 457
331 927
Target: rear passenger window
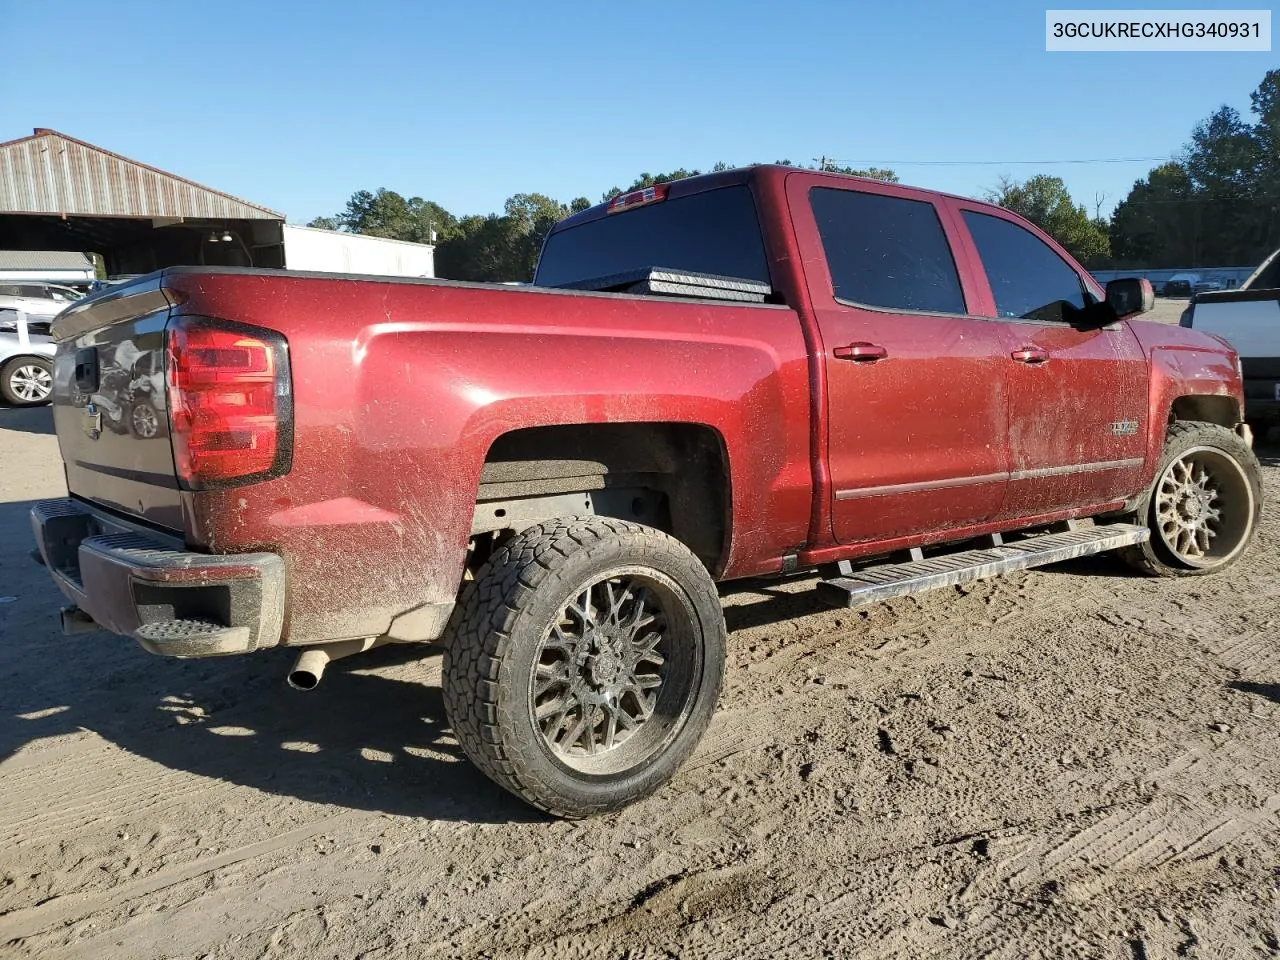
1028 279
886 251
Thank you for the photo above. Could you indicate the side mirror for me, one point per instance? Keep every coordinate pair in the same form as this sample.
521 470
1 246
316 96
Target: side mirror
1130 296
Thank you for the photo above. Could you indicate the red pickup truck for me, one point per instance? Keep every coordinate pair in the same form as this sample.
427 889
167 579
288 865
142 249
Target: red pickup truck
748 374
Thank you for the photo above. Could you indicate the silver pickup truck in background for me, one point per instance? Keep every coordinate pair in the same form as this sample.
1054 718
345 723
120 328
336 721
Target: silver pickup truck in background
1248 319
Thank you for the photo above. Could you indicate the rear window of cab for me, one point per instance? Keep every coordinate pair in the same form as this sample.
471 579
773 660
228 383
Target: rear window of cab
715 232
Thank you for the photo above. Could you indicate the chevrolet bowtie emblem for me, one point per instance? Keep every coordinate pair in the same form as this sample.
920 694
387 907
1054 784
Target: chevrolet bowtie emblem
93 421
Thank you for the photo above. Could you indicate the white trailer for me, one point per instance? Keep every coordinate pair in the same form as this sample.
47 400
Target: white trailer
329 251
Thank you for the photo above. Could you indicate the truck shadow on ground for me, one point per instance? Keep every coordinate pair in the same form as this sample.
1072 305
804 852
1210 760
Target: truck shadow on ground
1270 691
373 736
27 419
361 741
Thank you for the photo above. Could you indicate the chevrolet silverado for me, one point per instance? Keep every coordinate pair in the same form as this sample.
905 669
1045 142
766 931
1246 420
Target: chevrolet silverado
754 373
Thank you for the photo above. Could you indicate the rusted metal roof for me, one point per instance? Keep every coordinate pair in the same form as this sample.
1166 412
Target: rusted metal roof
51 173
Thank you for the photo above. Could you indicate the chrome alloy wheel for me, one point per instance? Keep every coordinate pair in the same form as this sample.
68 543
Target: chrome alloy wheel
145 422
1204 507
31 383
615 675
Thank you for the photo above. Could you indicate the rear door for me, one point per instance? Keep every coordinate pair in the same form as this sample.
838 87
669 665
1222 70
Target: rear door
109 404
1077 397
916 401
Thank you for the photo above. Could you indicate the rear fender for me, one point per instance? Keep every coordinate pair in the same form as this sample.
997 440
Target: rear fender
433 432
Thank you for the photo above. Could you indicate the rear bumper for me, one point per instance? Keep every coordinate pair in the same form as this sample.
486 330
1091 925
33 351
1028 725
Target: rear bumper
174 602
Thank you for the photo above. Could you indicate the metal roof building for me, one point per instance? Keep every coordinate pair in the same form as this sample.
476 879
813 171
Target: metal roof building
50 172
47 265
60 193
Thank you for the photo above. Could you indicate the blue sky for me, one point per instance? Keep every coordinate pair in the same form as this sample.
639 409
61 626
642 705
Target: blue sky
295 106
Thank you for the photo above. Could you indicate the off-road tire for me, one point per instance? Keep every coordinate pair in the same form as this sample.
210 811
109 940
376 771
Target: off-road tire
1154 557
13 366
499 627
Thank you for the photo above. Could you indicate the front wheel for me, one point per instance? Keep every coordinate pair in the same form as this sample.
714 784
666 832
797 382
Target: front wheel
1204 506
584 663
27 381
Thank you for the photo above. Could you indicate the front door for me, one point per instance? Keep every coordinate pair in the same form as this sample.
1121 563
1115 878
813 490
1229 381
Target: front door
916 399
1077 397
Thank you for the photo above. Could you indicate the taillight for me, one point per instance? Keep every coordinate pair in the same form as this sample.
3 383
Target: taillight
637 198
230 402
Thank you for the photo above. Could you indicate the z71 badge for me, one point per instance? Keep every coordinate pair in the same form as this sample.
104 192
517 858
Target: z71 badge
1124 428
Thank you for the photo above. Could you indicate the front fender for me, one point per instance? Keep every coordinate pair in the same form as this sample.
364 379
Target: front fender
1185 363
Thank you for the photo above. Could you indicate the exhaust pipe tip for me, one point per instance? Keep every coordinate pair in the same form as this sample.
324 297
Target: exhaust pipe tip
309 668
303 680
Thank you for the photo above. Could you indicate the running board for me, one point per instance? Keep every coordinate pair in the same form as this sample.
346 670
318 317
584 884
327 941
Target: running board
899 579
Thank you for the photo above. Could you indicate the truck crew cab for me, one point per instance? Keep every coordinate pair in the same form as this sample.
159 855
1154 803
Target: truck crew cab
747 374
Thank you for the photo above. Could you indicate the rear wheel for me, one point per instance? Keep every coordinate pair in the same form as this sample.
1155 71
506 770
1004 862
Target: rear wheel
584 663
1204 506
27 381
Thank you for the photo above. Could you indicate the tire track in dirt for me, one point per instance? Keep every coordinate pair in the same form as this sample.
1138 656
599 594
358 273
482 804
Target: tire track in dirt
61 910
1177 826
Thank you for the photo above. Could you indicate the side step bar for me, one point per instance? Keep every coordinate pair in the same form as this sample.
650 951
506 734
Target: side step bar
899 579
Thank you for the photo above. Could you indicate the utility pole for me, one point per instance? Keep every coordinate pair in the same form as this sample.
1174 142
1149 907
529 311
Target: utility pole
821 162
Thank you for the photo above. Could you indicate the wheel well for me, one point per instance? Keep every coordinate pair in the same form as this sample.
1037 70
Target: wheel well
1207 409
673 476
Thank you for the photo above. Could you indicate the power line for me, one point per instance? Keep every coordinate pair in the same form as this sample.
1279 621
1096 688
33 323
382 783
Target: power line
989 163
1252 199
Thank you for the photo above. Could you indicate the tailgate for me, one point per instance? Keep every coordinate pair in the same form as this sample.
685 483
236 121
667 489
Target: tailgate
1249 320
109 406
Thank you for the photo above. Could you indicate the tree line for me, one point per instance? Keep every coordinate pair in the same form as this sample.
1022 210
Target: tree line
497 246
1217 204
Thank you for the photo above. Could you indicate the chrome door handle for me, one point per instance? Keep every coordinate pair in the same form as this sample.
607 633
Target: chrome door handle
860 352
1031 355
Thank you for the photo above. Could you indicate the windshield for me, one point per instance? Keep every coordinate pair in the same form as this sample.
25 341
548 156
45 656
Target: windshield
715 232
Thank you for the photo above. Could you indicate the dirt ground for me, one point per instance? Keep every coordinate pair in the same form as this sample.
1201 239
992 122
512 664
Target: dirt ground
1072 762
1167 309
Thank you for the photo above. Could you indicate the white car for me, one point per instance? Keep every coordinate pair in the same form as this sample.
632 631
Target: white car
26 360
36 300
